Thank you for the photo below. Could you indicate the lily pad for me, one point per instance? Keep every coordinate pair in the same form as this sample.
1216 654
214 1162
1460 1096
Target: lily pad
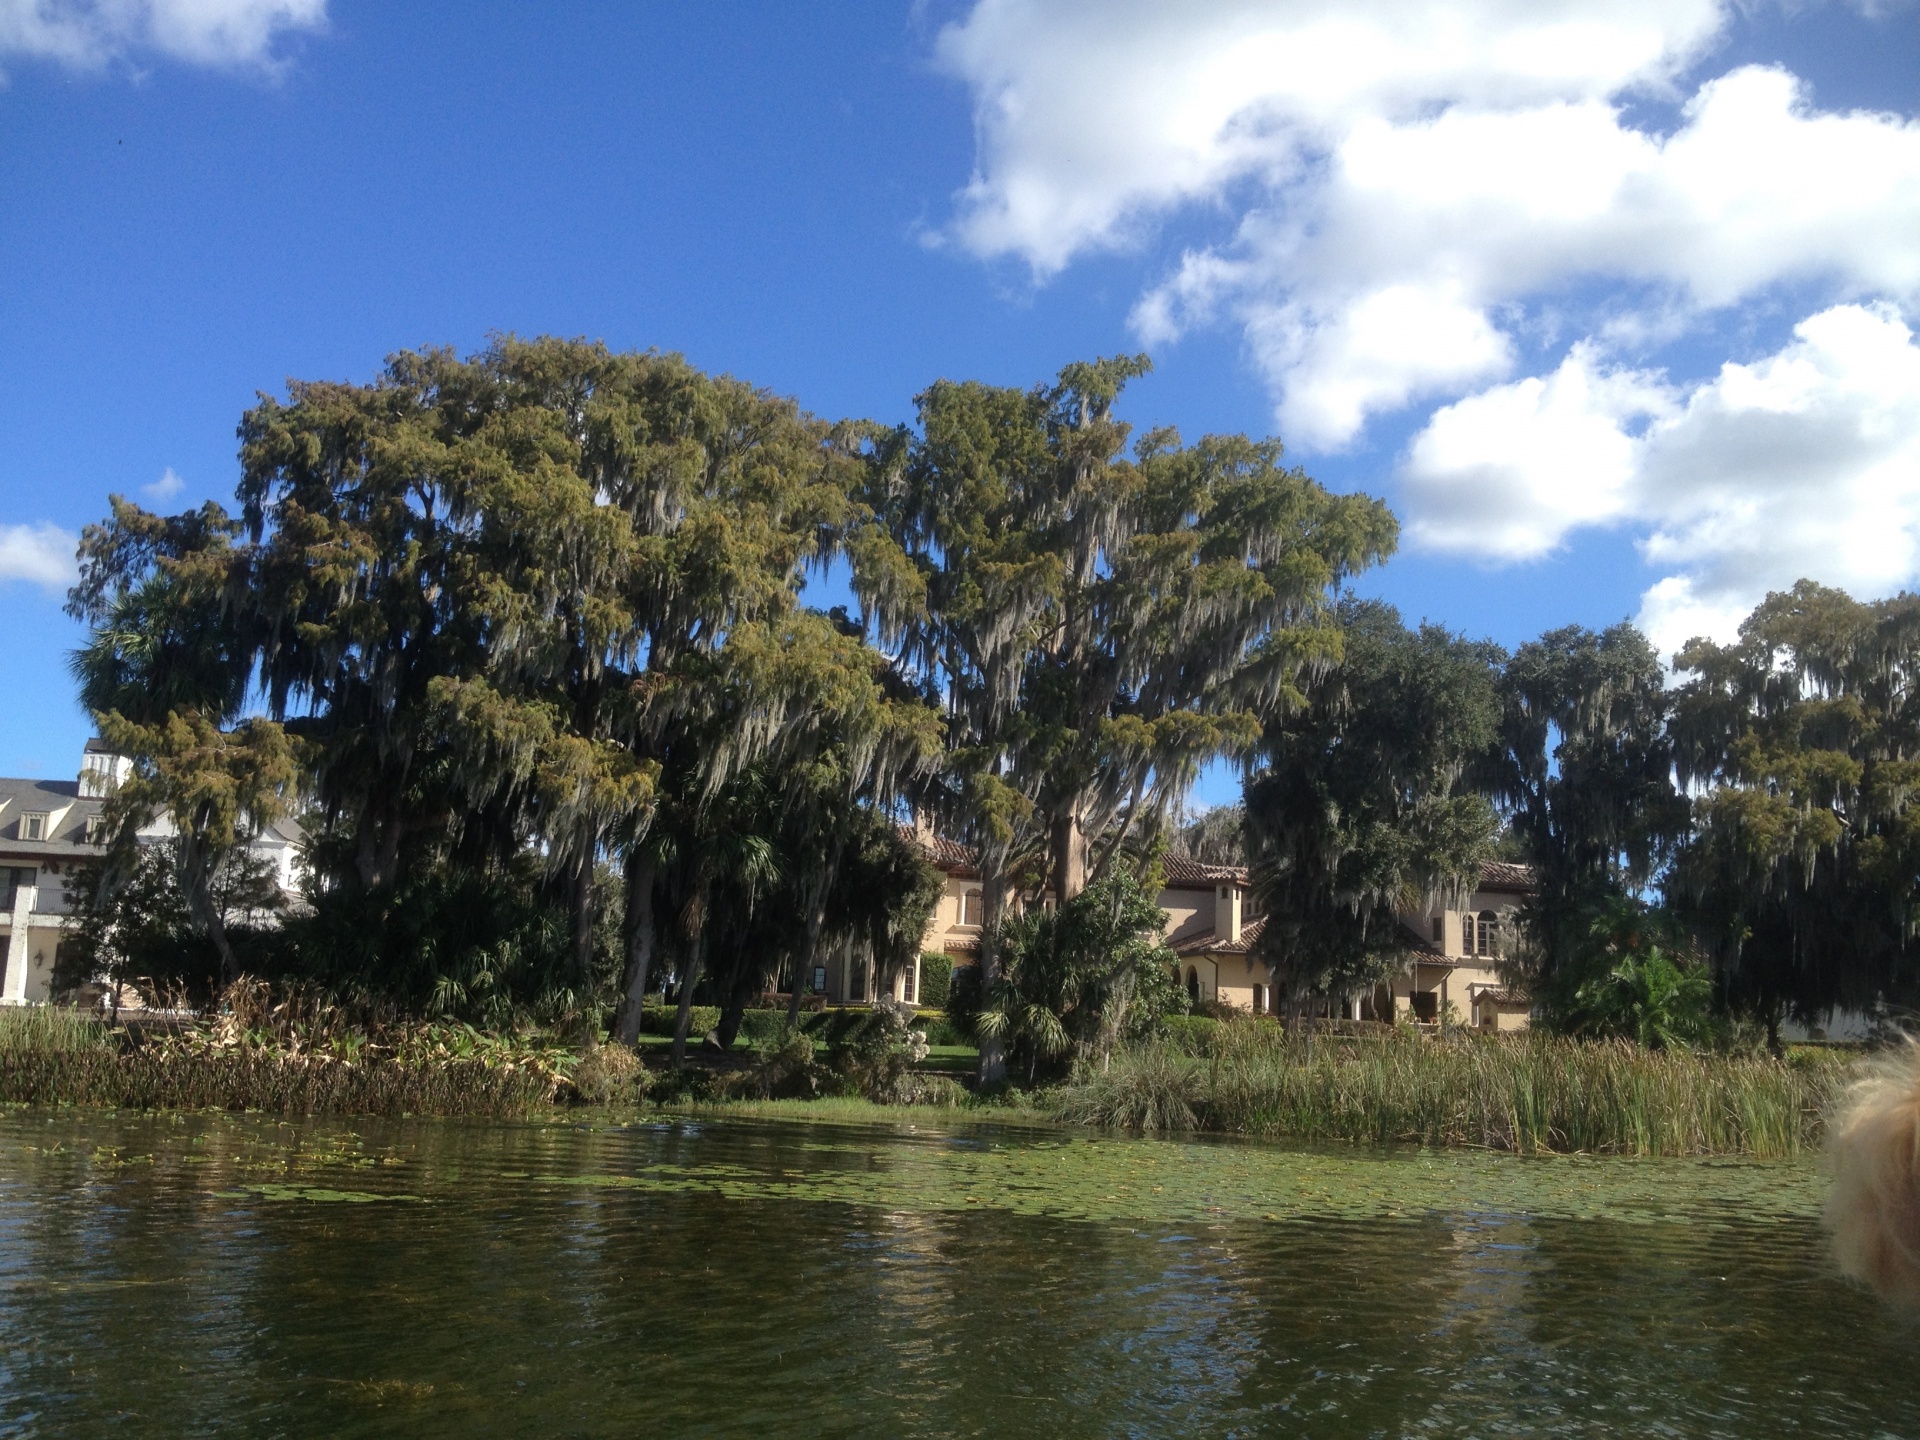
310 1192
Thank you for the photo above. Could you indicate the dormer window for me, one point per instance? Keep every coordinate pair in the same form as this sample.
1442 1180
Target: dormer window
33 826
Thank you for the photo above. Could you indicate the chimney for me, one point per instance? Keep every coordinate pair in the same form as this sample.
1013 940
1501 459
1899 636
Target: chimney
1226 912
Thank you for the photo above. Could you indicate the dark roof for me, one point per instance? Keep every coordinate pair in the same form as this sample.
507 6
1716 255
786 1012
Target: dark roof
1420 947
1183 873
43 797
1208 943
97 746
1506 875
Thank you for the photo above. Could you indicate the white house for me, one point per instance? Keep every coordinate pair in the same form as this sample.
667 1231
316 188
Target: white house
48 828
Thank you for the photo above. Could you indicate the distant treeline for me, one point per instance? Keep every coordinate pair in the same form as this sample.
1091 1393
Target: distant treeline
521 638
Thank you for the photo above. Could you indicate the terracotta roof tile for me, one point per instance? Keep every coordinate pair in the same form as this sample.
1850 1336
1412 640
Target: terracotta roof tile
1184 873
1506 875
1208 943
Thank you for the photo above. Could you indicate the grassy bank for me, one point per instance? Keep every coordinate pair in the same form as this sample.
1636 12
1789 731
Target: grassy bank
1523 1093
50 1056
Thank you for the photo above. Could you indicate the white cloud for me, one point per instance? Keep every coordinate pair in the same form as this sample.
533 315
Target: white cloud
1803 463
89 34
1091 115
1411 175
165 488
41 554
1505 474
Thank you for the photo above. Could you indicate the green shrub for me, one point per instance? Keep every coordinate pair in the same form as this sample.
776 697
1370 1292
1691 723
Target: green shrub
659 1020
768 1027
944 1030
936 976
1190 1034
608 1075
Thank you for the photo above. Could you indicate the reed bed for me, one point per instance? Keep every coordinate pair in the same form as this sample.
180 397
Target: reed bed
54 1057
1528 1093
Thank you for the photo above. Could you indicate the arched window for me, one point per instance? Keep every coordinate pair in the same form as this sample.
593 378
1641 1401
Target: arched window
1489 928
1467 943
1193 983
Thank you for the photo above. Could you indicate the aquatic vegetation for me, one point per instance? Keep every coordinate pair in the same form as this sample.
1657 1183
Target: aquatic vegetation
292 1053
1526 1093
48 1030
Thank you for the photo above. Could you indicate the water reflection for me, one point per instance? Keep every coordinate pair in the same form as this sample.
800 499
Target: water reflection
547 1280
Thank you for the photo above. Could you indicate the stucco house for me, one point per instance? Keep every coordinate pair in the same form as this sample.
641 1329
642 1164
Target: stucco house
48 829
1214 927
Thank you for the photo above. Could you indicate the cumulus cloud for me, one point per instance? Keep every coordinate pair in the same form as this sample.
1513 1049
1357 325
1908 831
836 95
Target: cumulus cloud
1505 474
40 554
90 34
165 488
1805 462
1407 178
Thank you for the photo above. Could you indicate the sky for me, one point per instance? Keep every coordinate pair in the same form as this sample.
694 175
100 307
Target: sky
1614 301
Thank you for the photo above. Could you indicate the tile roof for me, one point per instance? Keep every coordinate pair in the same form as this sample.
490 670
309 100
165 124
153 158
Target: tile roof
945 854
1182 872
1506 875
1504 995
1208 943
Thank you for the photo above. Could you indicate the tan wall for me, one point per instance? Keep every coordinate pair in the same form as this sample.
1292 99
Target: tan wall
1189 912
945 924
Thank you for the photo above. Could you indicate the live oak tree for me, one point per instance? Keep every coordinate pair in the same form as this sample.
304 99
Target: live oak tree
1800 742
1361 805
1584 776
165 674
1095 627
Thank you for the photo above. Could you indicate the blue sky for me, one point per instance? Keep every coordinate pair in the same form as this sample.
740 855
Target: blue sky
201 198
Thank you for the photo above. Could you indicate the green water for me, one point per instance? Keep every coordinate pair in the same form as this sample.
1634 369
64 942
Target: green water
217 1275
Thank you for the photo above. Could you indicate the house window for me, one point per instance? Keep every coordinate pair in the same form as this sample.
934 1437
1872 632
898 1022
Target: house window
33 827
1193 984
910 983
1259 999
970 907
96 830
819 979
857 982
1466 934
1440 930
1489 927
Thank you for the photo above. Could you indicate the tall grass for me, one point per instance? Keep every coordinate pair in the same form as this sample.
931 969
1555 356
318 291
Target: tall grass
277 1060
47 1030
1528 1093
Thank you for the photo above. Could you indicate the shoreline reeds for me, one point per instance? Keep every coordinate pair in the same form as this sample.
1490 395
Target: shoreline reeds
1529 1093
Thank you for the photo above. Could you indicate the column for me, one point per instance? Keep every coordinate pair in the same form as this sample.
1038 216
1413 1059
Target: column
19 942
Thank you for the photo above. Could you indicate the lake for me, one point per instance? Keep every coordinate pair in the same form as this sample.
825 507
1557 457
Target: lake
244 1275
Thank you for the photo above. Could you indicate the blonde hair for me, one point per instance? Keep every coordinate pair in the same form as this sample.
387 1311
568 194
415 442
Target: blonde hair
1873 1152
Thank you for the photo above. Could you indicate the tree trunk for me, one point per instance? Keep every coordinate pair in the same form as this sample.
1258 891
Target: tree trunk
580 901
1067 846
640 936
993 1048
733 1012
809 948
196 880
696 962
